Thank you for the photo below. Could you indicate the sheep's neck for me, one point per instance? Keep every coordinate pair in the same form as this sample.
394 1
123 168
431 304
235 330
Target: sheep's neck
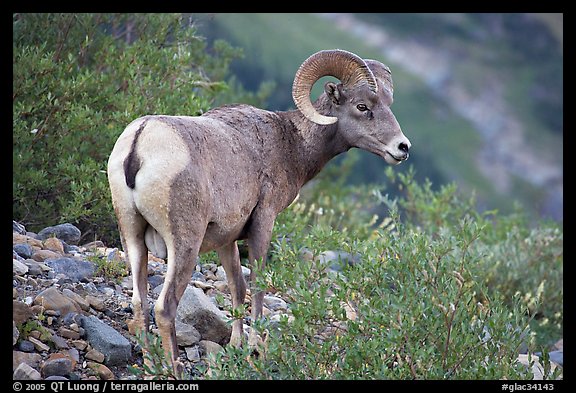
315 144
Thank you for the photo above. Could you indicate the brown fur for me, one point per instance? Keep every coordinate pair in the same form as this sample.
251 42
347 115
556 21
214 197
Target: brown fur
205 182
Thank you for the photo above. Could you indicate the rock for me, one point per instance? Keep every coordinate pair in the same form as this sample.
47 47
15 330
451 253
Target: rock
192 353
557 357
54 244
82 303
43 255
75 269
35 268
95 355
39 345
25 250
26 373
96 303
221 273
103 372
115 347
186 335
67 232
21 312
221 286
31 359
208 347
127 282
19 268
80 344
274 303
18 228
204 285
18 239
15 333
537 368
59 342
155 280
74 354
26 346
52 299
57 365
68 333
337 259
196 309
92 245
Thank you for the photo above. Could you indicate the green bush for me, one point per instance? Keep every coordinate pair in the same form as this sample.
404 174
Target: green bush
421 301
78 80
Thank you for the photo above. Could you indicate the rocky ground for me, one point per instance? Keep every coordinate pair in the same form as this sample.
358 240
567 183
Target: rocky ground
72 309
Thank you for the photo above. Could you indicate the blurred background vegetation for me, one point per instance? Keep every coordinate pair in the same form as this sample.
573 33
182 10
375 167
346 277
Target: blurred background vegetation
479 95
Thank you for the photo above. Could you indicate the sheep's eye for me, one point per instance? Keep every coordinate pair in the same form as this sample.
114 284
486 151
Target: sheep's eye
362 107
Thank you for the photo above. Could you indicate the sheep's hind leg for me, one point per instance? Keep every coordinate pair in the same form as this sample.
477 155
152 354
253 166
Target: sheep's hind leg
137 255
230 260
181 263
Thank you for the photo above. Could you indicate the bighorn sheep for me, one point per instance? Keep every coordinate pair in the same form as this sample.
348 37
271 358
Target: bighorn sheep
184 185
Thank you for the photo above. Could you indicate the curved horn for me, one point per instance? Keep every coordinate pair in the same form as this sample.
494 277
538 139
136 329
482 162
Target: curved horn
346 66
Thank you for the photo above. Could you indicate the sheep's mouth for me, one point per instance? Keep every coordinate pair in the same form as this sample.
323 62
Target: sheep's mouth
393 159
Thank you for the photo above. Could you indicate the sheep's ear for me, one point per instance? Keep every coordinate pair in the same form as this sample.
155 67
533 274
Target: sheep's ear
333 92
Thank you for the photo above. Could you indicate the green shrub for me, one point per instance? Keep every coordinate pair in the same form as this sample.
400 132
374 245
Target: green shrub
421 302
518 258
78 80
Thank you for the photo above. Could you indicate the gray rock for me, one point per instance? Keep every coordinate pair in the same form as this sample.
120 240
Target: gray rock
15 333
19 268
221 273
23 249
34 268
16 256
74 269
115 347
67 232
59 366
21 312
26 346
196 309
82 303
275 303
52 299
18 228
186 335
192 353
26 373
155 280
336 260
209 348
198 276
557 357
56 378
31 359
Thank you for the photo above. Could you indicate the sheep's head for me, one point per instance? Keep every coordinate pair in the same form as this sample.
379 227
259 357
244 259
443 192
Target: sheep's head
360 103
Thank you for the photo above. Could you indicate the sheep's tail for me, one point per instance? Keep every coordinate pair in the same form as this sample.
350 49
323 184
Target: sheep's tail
132 162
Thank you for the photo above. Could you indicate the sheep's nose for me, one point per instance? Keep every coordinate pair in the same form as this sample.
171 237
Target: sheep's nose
403 147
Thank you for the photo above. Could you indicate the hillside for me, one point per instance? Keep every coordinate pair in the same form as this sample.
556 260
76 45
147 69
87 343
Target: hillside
479 95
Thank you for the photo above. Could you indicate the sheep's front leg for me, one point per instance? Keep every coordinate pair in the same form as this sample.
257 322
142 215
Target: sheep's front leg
230 259
258 244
